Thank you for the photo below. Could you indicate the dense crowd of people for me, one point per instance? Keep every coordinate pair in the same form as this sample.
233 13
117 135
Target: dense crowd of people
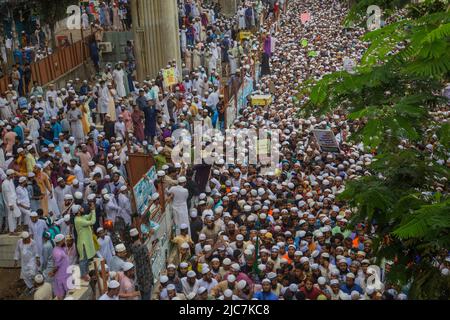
240 235
34 42
113 15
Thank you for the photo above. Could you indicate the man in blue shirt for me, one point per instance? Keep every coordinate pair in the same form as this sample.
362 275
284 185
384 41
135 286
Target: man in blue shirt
266 293
18 130
103 144
350 285
56 127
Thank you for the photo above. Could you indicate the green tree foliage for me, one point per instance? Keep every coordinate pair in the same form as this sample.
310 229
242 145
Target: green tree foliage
392 96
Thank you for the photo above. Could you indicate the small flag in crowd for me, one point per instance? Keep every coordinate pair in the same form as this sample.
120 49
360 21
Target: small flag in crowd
305 17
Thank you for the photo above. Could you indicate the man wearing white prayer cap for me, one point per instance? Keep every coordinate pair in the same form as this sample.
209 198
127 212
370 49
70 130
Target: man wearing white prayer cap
75 209
23 200
106 250
10 199
118 260
134 232
228 283
202 293
127 283
113 291
43 288
161 173
144 274
228 295
207 281
179 195
61 265
266 292
172 293
190 283
26 253
183 241
161 292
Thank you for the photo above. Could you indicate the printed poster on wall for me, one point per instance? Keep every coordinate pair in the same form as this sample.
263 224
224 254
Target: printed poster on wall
243 93
144 189
169 76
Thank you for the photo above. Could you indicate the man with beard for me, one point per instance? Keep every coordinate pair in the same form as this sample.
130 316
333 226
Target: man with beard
207 280
245 292
266 293
289 256
173 277
190 283
172 293
309 290
211 230
239 243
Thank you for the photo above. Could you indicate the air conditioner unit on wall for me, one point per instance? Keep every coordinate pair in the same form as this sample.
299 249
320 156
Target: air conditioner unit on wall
105 47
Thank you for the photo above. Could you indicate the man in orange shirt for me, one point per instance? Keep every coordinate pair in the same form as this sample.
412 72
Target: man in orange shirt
21 162
289 256
9 138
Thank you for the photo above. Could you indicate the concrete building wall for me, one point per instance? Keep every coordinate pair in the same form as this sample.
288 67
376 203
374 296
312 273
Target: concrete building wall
156 35
119 42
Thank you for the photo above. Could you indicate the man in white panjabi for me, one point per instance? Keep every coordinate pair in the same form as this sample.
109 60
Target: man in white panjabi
23 200
179 195
106 250
118 75
103 100
60 191
34 126
10 198
37 227
111 208
125 205
74 117
29 258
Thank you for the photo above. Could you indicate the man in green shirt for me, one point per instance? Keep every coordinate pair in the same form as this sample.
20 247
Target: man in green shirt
85 242
340 228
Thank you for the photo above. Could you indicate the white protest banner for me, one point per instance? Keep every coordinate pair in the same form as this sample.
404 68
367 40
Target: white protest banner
326 140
